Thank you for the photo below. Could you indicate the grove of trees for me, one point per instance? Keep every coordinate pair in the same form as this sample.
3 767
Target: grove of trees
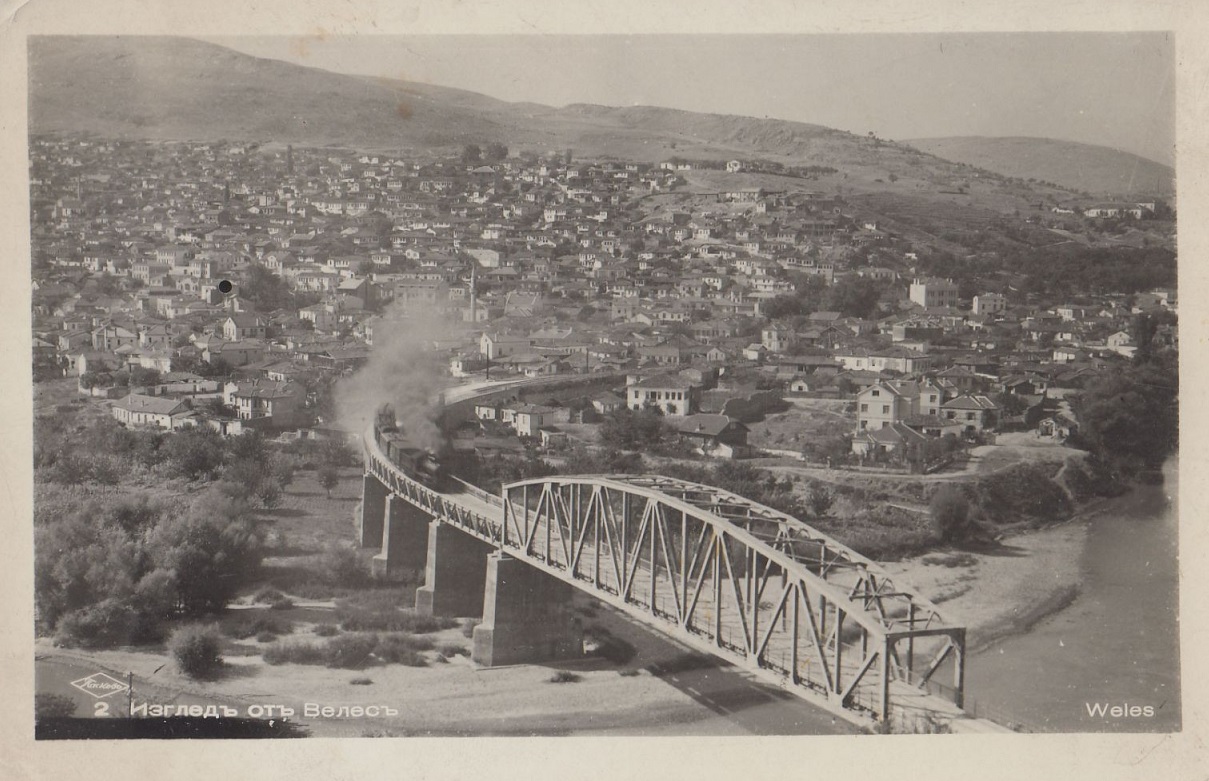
117 565
1129 419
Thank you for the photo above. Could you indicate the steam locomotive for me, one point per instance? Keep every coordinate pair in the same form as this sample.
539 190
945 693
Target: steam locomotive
416 462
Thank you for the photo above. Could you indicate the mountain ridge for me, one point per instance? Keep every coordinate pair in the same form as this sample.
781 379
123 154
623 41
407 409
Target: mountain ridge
1084 167
163 88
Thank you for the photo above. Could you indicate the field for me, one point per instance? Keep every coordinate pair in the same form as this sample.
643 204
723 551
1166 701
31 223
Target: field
807 420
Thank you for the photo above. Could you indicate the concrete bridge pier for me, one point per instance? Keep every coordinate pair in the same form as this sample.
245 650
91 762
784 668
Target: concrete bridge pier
526 616
455 575
371 513
403 541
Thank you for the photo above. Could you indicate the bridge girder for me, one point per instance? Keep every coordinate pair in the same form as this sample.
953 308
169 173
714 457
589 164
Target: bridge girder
831 621
719 572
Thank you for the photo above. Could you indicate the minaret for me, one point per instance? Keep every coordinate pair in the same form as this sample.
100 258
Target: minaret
474 264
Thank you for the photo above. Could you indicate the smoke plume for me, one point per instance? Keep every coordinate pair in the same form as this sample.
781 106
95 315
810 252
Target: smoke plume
402 371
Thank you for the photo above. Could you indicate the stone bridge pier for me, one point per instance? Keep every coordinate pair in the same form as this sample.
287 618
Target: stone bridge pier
526 614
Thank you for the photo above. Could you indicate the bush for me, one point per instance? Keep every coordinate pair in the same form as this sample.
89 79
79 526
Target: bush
106 624
327 630
197 651
295 652
820 500
565 676
354 619
401 648
468 626
340 566
951 515
243 626
265 637
361 682
1024 491
268 596
53 706
449 650
350 652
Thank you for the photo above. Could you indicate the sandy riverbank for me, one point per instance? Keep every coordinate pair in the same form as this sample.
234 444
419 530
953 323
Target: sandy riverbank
1007 590
458 698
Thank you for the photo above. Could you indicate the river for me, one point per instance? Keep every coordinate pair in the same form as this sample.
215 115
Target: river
1116 645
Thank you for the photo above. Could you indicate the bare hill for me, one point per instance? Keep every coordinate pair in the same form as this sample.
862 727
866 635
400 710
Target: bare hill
1095 169
161 88
181 89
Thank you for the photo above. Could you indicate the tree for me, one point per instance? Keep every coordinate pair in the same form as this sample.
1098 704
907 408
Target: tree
194 453
1143 330
495 151
950 511
820 500
329 478
471 154
265 289
1012 404
633 429
140 376
854 296
1129 418
209 552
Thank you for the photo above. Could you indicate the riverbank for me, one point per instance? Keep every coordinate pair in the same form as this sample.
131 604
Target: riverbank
1003 591
664 689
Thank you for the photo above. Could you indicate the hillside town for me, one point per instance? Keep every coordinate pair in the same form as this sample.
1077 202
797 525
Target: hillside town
368 407
227 286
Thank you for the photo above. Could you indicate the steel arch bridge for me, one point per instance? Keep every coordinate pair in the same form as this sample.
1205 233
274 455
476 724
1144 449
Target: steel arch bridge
723 574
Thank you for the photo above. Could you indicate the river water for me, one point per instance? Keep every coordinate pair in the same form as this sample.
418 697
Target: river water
1117 644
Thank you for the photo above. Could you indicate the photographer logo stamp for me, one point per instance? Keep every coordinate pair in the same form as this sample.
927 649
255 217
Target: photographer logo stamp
100 685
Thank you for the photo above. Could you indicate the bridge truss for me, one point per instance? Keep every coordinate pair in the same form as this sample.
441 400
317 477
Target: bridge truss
746 582
722 574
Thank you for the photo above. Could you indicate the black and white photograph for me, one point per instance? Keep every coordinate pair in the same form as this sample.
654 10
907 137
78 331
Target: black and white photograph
603 385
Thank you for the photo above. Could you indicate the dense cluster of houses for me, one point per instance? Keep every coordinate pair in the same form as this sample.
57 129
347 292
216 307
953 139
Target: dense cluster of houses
145 256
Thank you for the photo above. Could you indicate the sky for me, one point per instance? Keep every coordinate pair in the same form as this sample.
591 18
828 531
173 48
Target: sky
1110 89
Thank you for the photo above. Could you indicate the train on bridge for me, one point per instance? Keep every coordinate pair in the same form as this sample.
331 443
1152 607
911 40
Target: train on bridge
416 461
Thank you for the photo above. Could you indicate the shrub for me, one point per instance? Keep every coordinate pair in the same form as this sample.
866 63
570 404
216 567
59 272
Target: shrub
53 706
350 652
448 650
565 676
268 596
468 626
951 514
244 625
282 604
400 648
361 682
1023 490
820 500
107 623
265 637
295 652
391 620
340 566
327 630
197 650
